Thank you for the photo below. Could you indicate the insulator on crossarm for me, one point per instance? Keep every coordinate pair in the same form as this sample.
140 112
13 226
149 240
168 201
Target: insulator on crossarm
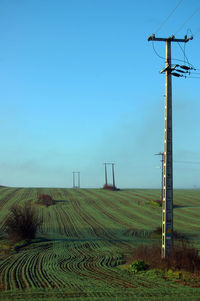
186 67
176 74
181 71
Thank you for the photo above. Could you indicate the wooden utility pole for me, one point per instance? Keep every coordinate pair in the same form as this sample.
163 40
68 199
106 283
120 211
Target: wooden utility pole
162 165
74 179
113 173
79 180
167 202
106 179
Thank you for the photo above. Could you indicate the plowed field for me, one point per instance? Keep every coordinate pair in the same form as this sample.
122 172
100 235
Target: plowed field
83 243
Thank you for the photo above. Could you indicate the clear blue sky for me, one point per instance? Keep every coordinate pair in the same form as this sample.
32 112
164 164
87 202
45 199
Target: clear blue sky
80 86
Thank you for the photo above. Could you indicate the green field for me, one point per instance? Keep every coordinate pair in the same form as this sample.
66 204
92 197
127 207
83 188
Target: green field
80 251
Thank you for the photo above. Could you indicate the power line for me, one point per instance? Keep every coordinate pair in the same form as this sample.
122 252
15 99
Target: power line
186 162
183 50
183 62
188 19
186 74
161 25
192 77
173 59
157 52
185 57
197 31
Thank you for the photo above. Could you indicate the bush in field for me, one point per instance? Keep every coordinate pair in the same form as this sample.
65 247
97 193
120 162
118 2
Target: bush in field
22 223
157 203
138 265
183 257
110 187
45 199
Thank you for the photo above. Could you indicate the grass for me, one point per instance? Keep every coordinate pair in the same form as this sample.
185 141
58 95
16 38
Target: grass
87 236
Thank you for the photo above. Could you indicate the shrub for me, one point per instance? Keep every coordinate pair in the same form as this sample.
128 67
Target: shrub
150 254
157 203
45 199
110 187
22 223
138 265
183 257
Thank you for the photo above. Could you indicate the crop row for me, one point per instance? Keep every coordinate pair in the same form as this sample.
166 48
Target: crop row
87 237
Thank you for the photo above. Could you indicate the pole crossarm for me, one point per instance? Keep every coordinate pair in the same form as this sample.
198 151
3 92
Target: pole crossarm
168 69
171 39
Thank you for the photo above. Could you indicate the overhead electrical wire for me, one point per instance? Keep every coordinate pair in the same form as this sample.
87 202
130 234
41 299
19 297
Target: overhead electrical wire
188 19
185 43
185 59
186 162
183 62
197 31
165 21
191 77
183 50
189 29
173 59
161 57
189 73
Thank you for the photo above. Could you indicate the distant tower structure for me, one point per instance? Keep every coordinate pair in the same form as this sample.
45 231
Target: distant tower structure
76 179
113 176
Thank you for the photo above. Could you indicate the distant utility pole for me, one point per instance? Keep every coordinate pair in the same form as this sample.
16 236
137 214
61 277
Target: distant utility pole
74 179
113 174
167 203
106 178
79 181
162 163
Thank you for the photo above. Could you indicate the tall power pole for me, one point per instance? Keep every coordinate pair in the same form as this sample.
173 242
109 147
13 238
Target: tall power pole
162 165
167 202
